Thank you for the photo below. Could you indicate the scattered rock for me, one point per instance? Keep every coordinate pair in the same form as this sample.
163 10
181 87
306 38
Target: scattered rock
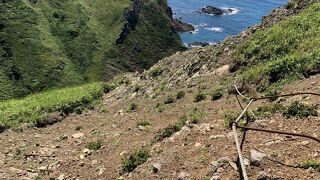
62 177
43 169
215 11
256 157
77 135
156 167
262 176
216 136
215 177
233 165
87 151
183 176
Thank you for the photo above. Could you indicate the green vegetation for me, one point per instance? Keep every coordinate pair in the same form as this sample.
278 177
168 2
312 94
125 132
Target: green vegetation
200 96
60 43
155 72
95 145
298 109
35 109
180 94
169 100
136 159
282 53
133 106
310 163
268 110
143 123
195 116
231 116
216 94
170 130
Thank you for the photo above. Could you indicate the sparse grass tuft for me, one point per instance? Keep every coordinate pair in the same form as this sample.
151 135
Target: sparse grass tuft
180 94
298 109
200 96
95 145
195 116
216 94
310 164
169 100
170 130
135 160
268 110
155 72
143 123
133 107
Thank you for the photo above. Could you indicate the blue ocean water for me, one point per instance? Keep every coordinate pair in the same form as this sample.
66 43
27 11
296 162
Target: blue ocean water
213 29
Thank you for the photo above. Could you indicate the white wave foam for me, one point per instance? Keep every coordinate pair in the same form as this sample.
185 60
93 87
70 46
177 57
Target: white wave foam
215 29
233 12
203 24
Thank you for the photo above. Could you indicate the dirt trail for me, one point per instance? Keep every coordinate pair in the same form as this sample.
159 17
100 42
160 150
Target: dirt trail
59 151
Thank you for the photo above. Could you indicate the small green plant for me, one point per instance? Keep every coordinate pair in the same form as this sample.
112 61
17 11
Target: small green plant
195 116
170 130
231 116
78 128
38 178
268 110
155 72
216 94
180 94
143 123
133 107
310 164
298 109
169 100
160 107
200 96
108 87
95 145
135 160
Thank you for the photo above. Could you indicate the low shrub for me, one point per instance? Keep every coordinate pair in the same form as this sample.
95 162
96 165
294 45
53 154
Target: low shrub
135 160
169 100
310 164
298 109
95 145
216 94
133 106
180 94
200 96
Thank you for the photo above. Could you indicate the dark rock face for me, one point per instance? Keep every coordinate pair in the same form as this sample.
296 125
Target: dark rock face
198 44
131 17
215 11
182 26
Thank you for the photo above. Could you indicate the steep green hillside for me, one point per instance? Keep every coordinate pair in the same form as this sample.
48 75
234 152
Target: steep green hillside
289 50
46 44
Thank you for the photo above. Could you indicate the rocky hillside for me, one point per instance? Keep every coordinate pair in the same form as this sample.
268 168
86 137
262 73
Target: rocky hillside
45 44
171 121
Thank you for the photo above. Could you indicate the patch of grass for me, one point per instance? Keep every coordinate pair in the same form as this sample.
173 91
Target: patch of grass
170 130
135 160
200 96
216 94
95 145
310 164
169 100
160 107
180 94
155 72
38 178
35 109
133 106
288 50
298 109
268 110
195 116
231 116
143 123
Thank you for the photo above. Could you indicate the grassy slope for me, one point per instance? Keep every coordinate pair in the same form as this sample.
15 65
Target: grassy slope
58 43
36 108
287 51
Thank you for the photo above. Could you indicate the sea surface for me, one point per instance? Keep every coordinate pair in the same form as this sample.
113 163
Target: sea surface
213 29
